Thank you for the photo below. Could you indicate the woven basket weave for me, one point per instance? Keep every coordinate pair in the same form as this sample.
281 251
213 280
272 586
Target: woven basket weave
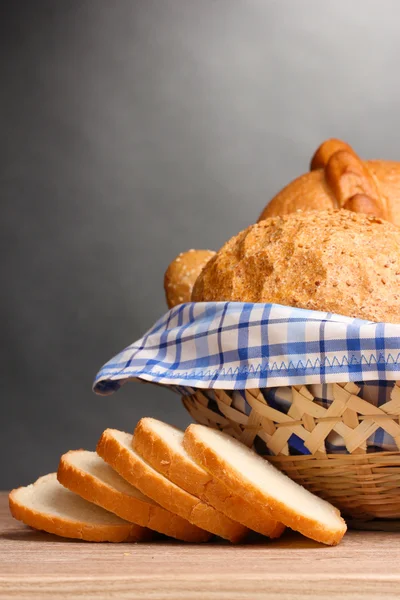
362 485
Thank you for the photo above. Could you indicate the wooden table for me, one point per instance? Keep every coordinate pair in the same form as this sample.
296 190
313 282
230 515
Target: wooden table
39 566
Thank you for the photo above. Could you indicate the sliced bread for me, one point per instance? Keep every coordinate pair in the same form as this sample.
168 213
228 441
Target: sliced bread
89 476
264 486
161 445
115 447
48 506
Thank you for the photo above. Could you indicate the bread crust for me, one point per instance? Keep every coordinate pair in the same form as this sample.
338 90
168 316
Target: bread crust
156 451
70 528
309 191
170 496
145 514
237 507
197 481
326 150
334 261
210 460
348 176
181 274
337 175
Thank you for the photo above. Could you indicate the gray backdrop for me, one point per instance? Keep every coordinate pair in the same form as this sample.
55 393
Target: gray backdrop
132 130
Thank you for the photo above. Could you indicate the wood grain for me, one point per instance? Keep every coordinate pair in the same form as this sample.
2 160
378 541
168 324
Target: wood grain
39 566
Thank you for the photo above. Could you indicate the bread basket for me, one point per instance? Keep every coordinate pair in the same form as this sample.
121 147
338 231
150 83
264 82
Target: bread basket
317 394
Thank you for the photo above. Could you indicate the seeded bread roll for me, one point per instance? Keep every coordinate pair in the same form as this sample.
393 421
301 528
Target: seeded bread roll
335 261
182 273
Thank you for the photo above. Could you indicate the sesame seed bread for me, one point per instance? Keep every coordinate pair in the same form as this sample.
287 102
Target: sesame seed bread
115 447
336 261
161 445
46 505
261 484
182 273
89 476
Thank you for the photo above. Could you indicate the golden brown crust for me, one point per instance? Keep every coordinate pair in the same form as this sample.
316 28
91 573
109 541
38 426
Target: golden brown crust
335 261
182 273
326 150
146 514
307 192
70 528
348 176
236 507
164 492
158 452
337 176
262 504
195 480
360 203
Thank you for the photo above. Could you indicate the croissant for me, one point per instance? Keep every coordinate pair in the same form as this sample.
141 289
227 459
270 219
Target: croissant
340 179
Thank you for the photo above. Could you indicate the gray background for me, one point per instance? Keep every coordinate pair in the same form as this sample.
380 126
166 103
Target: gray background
132 130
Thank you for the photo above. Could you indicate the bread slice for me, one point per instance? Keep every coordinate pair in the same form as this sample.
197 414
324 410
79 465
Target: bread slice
86 474
263 486
115 447
161 445
48 506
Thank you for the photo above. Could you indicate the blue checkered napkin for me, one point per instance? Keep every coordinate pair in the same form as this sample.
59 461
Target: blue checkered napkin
235 345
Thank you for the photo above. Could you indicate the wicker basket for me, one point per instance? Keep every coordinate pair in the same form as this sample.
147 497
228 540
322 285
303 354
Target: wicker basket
362 485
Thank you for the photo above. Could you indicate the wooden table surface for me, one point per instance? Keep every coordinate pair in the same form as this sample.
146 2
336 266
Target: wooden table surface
38 566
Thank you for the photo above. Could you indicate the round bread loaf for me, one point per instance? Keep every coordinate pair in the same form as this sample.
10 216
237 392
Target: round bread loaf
340 179
335 261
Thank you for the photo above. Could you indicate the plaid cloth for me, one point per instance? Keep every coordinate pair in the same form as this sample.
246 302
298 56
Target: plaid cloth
234 346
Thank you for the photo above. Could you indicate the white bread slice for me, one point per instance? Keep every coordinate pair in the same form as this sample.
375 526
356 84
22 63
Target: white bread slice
264 486
115 447
161 445
86 474
48 506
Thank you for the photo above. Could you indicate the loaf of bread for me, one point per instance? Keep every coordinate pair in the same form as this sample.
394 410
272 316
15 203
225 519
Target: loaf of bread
336 261
340 179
